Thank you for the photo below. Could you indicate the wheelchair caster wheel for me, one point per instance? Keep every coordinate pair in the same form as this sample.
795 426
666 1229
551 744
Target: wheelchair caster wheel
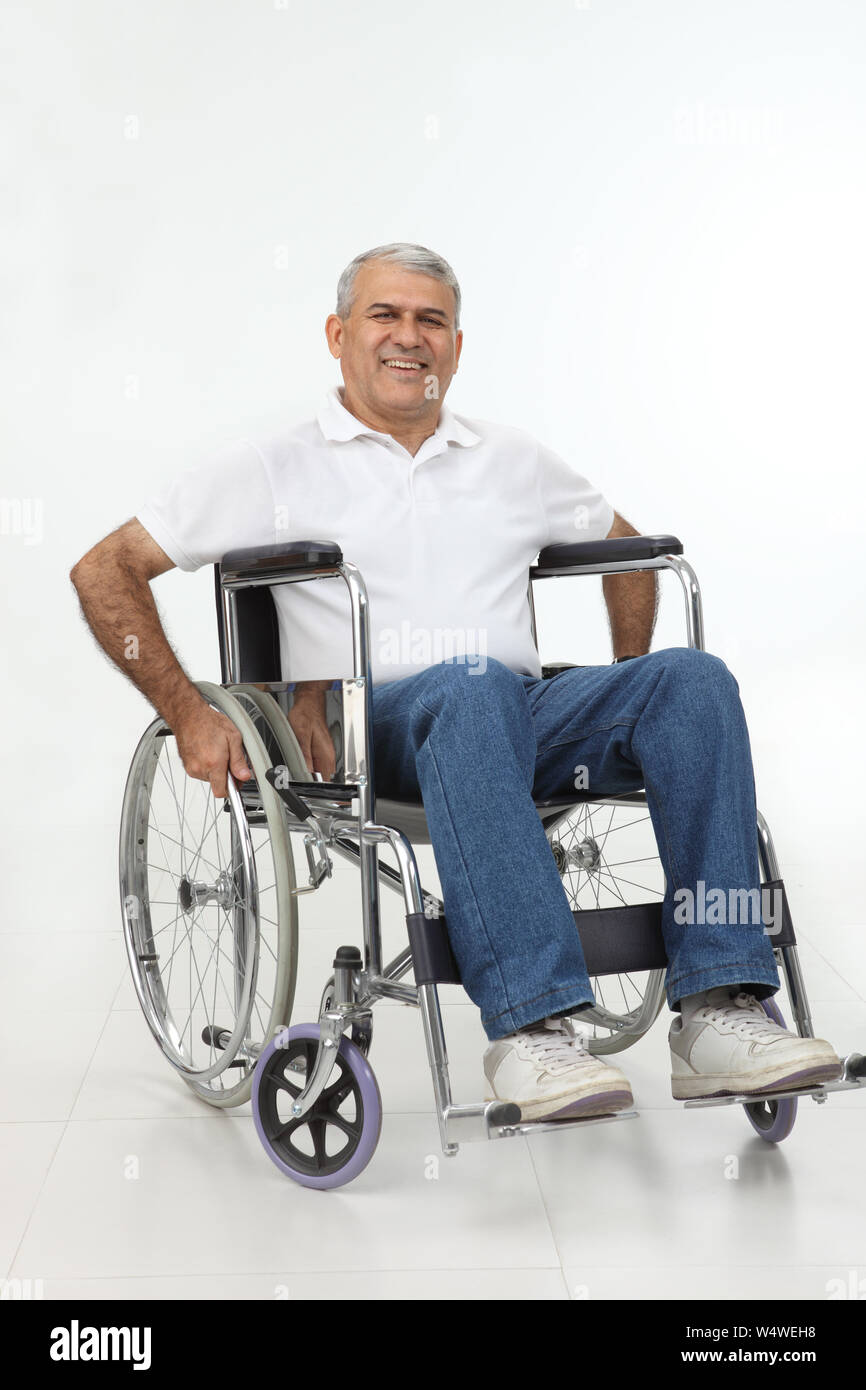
772 1119
335 1140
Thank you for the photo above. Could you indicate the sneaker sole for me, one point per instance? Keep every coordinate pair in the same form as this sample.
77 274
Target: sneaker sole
607 1104
780 1079
577 1107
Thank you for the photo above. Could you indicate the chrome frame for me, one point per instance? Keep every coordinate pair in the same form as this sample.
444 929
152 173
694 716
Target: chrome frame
353 832
683 570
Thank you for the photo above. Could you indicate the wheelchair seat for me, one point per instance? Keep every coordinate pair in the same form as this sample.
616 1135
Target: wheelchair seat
410 818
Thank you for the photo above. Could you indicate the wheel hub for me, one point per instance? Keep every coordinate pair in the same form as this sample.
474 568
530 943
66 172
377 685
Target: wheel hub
586 855
195 894
559 855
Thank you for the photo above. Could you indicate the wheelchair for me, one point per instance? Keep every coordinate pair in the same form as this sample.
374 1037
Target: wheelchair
210 896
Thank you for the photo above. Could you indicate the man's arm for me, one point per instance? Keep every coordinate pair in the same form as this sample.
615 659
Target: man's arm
113 584
632 601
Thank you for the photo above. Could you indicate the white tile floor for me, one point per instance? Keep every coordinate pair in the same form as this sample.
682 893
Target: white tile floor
675 1204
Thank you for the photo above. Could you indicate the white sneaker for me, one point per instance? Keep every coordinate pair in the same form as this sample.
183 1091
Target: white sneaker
732 1048
548 1072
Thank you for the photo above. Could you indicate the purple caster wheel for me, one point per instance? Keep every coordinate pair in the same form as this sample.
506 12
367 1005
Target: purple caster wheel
772 1119
336 1139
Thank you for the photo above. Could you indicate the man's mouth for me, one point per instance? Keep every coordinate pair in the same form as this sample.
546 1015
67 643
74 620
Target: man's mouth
405 365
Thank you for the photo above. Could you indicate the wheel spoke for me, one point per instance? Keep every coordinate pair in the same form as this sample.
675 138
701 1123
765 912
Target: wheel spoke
280 1082
219 961
341 1087
351 1128
631 882
318 1127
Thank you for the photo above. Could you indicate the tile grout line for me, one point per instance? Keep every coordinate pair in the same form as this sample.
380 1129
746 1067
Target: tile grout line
329 1271
60 1137
830 966
543 1197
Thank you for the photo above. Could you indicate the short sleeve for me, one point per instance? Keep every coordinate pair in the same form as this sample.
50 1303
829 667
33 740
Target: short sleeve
222 504
573 508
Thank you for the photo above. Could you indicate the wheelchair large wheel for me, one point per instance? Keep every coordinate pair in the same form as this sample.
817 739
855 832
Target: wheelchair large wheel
772 1119
330 1145
607 856
210 920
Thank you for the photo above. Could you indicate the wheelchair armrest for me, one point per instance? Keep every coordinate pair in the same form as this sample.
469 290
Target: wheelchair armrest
556 559
296 556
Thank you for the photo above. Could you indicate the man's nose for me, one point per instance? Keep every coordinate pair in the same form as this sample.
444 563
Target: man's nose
406 333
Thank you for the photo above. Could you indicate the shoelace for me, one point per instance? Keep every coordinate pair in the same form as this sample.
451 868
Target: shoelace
556 1046
739 1013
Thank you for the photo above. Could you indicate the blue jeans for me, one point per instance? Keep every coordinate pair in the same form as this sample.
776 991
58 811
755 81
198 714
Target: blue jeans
477 745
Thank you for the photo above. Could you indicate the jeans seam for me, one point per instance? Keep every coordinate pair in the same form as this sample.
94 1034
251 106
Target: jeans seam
600 729
490 948
680 988
649 787
732 965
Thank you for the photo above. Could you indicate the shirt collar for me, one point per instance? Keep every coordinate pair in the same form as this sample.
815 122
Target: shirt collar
338 423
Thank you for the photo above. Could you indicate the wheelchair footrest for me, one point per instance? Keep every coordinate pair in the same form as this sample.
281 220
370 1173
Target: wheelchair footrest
501 1120
818 1093
508 1131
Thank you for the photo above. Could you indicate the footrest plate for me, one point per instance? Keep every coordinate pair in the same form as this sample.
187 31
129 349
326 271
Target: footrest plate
758 1097
548 1126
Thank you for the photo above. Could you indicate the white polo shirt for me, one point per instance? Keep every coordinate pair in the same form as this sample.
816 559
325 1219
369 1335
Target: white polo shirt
444 540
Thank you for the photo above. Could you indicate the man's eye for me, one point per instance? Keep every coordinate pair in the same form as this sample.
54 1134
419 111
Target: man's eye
388 314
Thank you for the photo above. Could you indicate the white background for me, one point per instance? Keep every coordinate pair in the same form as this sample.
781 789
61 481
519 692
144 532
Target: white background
657 215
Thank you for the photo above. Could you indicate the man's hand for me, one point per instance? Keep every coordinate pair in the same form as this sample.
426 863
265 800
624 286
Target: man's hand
210 746
307 718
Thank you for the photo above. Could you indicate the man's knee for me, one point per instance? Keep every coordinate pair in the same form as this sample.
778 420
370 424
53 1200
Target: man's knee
696 671
455 678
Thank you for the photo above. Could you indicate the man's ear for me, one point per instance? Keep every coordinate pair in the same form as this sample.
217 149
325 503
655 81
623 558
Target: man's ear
334 334
458 347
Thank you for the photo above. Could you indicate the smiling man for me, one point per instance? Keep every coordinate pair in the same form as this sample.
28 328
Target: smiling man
397 354
444 515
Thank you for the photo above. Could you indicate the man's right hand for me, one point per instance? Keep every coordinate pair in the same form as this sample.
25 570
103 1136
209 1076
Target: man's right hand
210 746
307 718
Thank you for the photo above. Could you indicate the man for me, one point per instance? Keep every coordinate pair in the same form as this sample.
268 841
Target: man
444 516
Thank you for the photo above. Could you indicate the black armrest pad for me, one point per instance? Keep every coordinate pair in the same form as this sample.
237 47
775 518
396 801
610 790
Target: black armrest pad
288 555
606 551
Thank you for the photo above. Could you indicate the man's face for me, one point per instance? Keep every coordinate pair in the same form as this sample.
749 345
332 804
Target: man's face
398 316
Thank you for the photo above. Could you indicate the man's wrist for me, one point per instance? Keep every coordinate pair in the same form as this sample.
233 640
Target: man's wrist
181 703
311 693
632 656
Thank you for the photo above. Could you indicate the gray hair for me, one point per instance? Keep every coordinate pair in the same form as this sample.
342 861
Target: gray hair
403 253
